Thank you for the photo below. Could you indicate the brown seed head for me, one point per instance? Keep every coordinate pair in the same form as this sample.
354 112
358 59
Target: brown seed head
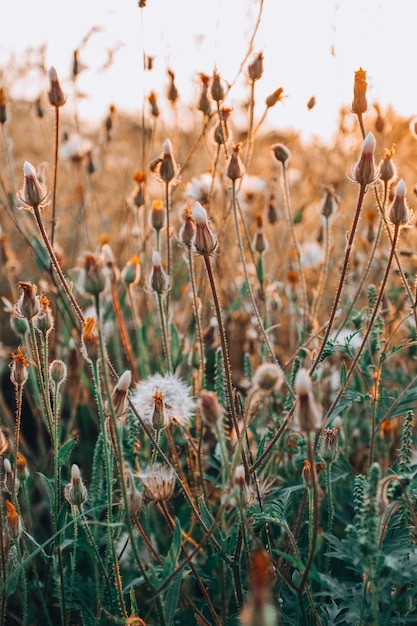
217 90
56 95
256 68
235 167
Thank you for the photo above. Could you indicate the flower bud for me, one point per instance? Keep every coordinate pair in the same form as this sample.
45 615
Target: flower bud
157 215
152 99
256 68
267 377
3 115
260 243
387 169
75 491
172 93
306 412
131 272
307 474
57 372
92 278
365 171
205 241
221 132
21 467
275 97
281 153
28 304
217 91
90 340
210 409
329 448
44 320
158 415
134 496
187 231
19 368
14 525
359 104
330 202
159 280
4 443
168 167
56 95
399 214
33 193
204 103
235 168
119 396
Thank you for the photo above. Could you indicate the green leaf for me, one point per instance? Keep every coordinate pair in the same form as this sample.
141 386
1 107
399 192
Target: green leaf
343 375
260 270
42 259
176 352
171 598
170 562
48 484
65 452
298 217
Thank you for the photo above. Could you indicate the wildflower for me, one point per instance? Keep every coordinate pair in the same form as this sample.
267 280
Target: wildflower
281 153
92 277
274 97
235 167
157 215
134 496
172 93
398 213
256 68
267 377
19 368
3 116
34 193
307 474
387 169
329 448
119 396
365 171
28 304
205 241
14 525
217 90
158 482
159 281
260 243
307 414
221 132
131 272
165 164
204 103
21 467
56 95
75 492
90 340
44 320
177 404
57 372
359 104
210 408
8 477
187 232
330 202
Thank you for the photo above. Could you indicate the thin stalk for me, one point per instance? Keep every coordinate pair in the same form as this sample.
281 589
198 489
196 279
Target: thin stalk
323 271
315 513
19 397
163 324
342 279
53 219
191 266
23 583
3 559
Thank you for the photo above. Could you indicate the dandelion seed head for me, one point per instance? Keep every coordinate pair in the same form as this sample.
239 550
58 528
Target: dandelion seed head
178 404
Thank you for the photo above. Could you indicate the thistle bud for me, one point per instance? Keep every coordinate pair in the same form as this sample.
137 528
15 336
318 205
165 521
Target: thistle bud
159 280
210 409
204 103
205 241
75 491
33 193
365 171
157 215
131 272
281 153
399 214
119 396
56 95
3 115
187 231
14 525
275 97
260 243
28 304
168 166
217 91
57 372
90 340
359 104
256 68
387 169
44 321
19 368
235 167
329 448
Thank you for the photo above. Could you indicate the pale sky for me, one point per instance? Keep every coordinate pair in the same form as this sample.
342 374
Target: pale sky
311 47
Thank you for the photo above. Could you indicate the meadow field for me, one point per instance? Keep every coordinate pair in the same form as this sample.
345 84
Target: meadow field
208 363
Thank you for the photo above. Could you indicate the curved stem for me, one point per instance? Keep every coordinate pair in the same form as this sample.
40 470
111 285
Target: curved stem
53 220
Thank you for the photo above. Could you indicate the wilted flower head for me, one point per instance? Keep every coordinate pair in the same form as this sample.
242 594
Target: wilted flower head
119 396
307 415
178 406
28 304
56 95
398 213
235 168
158 482
365 171
33 193
205 241
19 368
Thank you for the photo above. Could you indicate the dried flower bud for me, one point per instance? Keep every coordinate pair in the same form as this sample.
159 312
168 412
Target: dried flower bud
387 169
57 372
134 496
8 478
359 104
260 244
75 491
172 93
153 101
256 68
39 107
205 241
272 211
19 368
204 103
157 215
187 231
90 340
329 447
306 412
380 121
3 115
235 167
281 153
330 202
4 443
21 467
365 171
275 97
158 482
221 132
44 320
239 478
14 525
119 396
132 271
56 95
307 474
210 409
159 280
28 304
158 416
399 214
168 166
217 91
267 377
92 278
34 193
